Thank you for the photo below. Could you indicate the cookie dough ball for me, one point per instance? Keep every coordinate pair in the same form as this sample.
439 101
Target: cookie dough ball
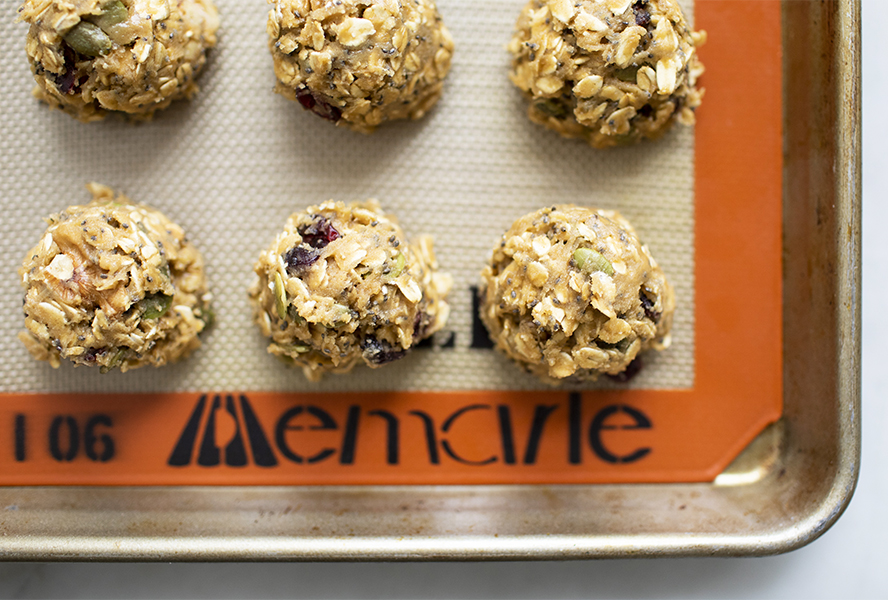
610 71
90 57
113 284
341 284
359 63
571 293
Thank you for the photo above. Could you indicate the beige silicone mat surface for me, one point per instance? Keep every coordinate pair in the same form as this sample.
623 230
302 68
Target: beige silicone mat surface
231 165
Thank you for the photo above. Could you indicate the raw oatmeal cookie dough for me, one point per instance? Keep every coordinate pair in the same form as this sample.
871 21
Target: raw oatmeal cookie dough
90 57
571 293
342 284
610 71
359 63
113 284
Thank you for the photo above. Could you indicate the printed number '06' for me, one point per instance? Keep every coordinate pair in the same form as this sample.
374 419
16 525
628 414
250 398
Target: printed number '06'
64 439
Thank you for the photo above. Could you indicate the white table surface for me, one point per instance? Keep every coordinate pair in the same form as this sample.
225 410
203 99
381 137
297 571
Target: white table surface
850 561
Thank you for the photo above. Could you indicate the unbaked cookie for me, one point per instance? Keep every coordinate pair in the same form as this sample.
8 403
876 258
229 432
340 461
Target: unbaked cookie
90 57
359 63
113 285
342 285
610 71
571 293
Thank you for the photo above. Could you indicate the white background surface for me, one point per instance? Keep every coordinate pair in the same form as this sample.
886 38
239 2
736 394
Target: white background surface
850 561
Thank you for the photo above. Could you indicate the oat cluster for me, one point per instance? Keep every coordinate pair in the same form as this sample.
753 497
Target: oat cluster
612 72
342 285
360 63
114 285
571 293
90 57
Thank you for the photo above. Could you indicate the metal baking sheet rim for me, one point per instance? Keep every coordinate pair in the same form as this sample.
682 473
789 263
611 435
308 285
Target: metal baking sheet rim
794 518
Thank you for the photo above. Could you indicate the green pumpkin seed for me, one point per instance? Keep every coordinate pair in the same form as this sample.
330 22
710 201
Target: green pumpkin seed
113 13
88 39
399 264
280 296
590 261
155 306
343 317
293 314
629 74
115 362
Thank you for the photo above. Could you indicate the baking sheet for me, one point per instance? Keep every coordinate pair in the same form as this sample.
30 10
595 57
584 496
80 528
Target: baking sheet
780 495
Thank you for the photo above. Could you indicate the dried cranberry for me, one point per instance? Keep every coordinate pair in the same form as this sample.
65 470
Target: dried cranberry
67 82
92 354
642 16
305 98
420 325
319 233
298 260
321 108
379 352
648 305
631 371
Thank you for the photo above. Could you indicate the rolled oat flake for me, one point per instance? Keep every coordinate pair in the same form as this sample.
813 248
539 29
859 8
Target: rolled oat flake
359 63
93 57
571 294
342 285
612 72
112 284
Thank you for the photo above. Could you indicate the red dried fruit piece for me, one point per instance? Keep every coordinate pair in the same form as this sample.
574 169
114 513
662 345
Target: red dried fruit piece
379 352
648 305
320 107
642 16
421 324
92 354
67 82
298 260
319 233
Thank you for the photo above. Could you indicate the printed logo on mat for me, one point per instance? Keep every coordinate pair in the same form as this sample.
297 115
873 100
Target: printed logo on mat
373 438
252 442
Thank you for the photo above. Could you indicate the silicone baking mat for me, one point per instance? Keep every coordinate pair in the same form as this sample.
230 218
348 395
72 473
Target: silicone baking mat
234 163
